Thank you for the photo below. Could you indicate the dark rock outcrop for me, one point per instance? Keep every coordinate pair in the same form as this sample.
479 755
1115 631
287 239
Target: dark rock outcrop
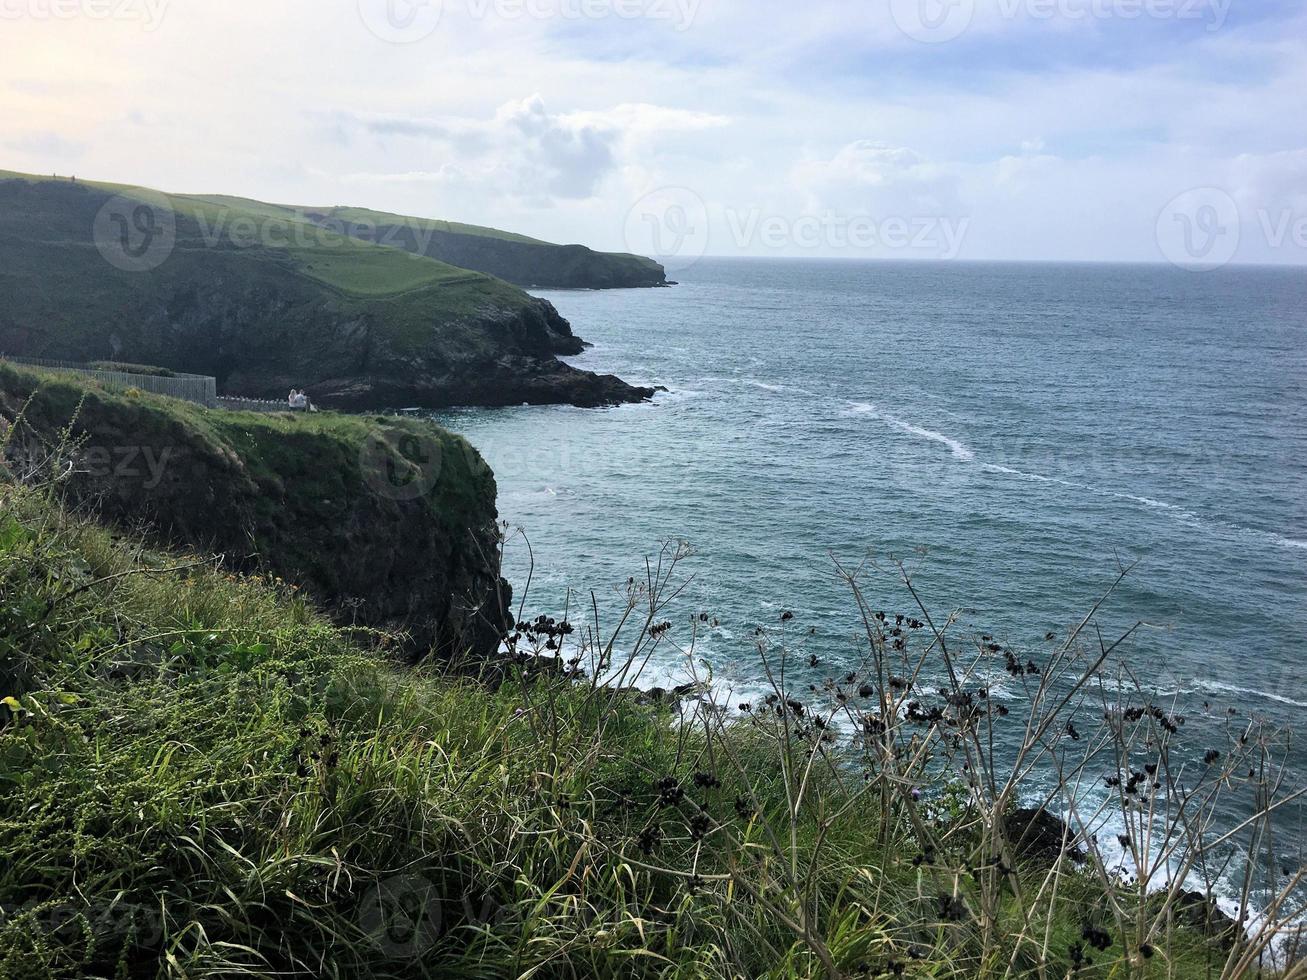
386 522
357 325
1200 912
1038 835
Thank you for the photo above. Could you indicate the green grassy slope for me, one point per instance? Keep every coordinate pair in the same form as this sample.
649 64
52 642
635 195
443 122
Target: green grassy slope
260 231
411 504
365 216
266 301
200 777
515 258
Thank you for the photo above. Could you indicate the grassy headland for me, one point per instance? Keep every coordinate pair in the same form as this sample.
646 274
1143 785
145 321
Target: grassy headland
266 300
385 521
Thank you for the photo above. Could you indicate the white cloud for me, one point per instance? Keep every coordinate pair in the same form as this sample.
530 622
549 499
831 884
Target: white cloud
557 128
526 151
870 177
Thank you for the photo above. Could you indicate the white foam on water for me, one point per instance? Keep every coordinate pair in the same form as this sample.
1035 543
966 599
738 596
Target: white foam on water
965 454
995 468
1211 687
959 450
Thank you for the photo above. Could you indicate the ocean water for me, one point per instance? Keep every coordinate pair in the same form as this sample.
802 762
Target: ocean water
1015 432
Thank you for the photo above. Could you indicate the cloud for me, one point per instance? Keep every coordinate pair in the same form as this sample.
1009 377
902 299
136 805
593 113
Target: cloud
526 151
45 143
870 177
1058 138
1271 181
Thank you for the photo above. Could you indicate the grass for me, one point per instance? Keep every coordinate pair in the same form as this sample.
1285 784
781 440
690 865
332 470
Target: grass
256 297
409 503
199 776
272 232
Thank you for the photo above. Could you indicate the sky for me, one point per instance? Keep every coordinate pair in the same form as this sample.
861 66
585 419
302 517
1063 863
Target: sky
1084 130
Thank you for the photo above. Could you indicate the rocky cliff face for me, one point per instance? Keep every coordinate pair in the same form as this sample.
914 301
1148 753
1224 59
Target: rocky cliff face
359 326
385 522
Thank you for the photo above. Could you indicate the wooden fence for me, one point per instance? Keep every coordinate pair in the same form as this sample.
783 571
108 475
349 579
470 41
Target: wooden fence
197 388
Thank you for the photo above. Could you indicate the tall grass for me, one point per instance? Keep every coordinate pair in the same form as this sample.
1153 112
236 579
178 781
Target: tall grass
199 776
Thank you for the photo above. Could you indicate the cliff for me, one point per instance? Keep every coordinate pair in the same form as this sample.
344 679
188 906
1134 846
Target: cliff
514 258
265 301
385 522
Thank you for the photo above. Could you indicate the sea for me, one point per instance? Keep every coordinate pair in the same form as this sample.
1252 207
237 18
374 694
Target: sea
1011 436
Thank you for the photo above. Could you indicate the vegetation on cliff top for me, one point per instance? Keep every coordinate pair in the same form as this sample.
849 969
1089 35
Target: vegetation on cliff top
265 300
385 520
514 258
201 777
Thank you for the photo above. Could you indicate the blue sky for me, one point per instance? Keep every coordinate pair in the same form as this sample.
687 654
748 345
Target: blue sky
937 129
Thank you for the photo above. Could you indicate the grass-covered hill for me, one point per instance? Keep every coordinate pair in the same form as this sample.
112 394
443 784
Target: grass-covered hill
387 522
265 301
527 262
200 777
515 258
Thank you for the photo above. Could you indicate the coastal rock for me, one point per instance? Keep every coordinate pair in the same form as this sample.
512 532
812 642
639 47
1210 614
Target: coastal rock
1038 835
385 522
1199 911
357 325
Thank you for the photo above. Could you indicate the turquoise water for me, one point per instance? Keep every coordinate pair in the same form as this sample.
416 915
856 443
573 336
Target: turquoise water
1014 431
